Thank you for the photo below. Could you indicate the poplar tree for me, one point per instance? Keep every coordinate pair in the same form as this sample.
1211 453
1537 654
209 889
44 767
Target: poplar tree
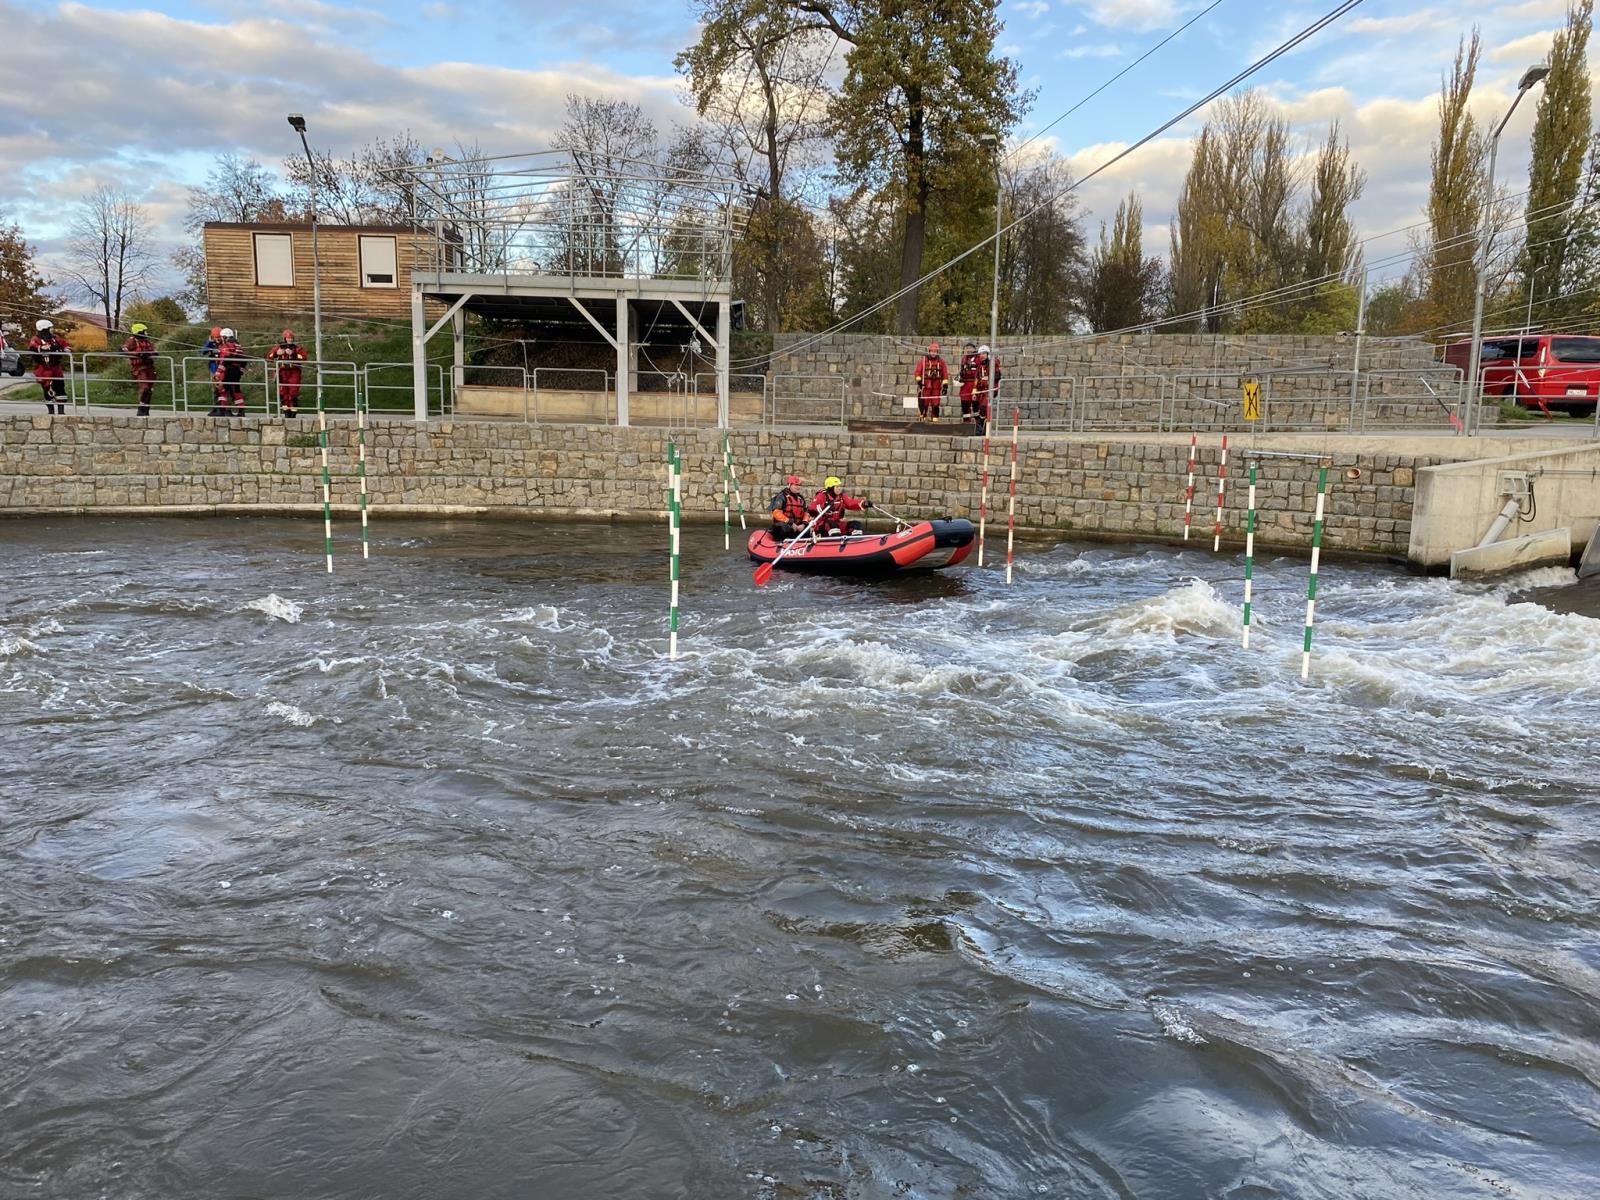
1121 287
1456 196
1560 136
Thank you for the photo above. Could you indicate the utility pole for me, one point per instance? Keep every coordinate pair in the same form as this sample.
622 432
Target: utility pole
298 124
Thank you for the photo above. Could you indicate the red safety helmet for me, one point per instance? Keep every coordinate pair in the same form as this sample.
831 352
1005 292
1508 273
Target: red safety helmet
216 332
933 347
288 335
795 481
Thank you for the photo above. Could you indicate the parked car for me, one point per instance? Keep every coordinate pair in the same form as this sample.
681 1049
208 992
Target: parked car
10 358
1540 370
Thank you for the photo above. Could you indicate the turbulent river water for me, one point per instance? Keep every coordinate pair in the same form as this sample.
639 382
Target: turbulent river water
434 878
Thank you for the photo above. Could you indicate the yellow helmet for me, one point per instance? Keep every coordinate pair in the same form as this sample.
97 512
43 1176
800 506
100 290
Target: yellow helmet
139 327
832 481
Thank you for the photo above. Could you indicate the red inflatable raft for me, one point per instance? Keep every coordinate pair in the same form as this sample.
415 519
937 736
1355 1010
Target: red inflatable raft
924 546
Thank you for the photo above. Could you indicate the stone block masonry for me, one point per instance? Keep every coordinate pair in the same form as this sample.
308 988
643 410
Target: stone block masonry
1129 486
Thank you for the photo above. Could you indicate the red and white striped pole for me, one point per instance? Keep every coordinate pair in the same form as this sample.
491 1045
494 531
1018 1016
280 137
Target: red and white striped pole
1011 513
1188 495
1222 490
983 496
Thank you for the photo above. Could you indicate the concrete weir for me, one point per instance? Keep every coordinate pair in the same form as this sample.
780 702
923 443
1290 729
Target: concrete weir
1123 486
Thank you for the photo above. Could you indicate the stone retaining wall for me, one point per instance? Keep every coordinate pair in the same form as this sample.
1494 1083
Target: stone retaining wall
1129 486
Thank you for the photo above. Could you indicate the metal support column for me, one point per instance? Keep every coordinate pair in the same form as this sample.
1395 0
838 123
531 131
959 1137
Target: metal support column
458 347
419 354
723 317
624 367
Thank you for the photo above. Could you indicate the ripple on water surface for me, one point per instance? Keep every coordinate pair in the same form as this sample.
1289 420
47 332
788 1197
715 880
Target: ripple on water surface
434 877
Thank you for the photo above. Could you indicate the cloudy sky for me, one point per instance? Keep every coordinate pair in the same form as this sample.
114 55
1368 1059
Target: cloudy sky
145 96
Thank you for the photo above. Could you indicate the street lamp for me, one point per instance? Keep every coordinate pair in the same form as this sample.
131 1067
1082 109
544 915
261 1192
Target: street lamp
298 124
991 143
1529 77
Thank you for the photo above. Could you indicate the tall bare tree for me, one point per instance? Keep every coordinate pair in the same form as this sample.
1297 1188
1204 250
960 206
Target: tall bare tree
1040 259
110 255
371 187
1560 137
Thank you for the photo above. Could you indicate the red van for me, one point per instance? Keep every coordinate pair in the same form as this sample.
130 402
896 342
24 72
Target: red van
1541 370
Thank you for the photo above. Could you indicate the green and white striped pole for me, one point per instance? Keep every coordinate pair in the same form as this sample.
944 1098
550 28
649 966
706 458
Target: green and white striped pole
327 484
674 525
1250 551
361 466
1316 558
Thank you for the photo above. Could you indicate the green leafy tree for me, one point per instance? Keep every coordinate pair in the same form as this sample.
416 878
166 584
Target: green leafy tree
1560 136
161 314
1122 288
923 86
23 296
1456 196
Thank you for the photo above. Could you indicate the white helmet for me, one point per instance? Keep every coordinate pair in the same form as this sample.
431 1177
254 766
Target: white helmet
227 335
41 326
983 349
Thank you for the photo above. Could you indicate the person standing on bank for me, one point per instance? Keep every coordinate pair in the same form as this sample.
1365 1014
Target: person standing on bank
230 370
830 505
141 352
288 355
968 378
988 384
933 382
50 352
208 349
789 515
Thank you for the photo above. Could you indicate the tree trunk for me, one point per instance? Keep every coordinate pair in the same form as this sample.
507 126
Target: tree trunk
916 234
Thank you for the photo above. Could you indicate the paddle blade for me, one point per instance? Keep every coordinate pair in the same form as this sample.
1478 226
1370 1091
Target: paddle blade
763 573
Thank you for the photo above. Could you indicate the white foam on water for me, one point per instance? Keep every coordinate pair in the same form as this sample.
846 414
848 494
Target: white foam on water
1173 1023
292 714
277 607
11 645
543 615
328 666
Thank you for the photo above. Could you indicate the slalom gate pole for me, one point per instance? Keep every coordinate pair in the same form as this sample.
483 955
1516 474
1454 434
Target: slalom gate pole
733 474
727 485
327 484
1250 553
983 496
1222 489
1316 558
1011 508
361 466
674 528
1188 495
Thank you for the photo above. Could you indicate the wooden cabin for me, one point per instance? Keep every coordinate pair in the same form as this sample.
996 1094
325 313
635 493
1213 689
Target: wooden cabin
263 270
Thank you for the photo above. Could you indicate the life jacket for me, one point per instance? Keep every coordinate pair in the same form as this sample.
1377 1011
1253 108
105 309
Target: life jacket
792 507
230 362
49 356
289 356
141 352
932 374
832 509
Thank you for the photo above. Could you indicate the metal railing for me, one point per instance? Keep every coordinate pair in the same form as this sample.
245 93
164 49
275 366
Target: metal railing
371 391
805 400
93 387
571 379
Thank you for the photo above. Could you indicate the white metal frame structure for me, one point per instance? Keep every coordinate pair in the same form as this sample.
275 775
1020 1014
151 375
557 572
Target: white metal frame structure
556 233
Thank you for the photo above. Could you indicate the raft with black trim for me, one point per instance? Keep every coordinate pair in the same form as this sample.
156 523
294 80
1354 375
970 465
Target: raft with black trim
925 546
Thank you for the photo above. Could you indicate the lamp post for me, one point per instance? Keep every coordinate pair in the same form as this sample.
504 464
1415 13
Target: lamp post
1529 77
1527 326
992 142
298 124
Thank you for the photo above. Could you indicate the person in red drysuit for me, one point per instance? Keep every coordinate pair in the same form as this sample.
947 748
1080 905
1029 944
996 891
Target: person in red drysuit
789 514
967 376
933 382
288 355
230 370
141 352
986 385
50 353
832 503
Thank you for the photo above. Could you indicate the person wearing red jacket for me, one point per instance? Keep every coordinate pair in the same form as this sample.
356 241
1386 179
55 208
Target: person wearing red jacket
141 352
967 376
933 382
231 363
50 353
789 512
832 503
988 383
288 355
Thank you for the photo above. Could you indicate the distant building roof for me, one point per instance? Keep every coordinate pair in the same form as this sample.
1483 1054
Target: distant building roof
79 317
321 225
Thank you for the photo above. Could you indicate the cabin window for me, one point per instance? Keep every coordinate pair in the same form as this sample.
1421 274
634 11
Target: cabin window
274 259
378 262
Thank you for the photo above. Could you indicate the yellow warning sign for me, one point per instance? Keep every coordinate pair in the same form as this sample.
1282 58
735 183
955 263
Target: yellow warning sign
1252 400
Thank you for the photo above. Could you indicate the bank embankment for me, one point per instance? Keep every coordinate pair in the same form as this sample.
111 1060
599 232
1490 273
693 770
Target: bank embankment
1108 486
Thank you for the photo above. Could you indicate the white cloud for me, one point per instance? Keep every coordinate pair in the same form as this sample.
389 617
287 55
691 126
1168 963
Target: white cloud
1524 51
1133 14
1032 9
1096 50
